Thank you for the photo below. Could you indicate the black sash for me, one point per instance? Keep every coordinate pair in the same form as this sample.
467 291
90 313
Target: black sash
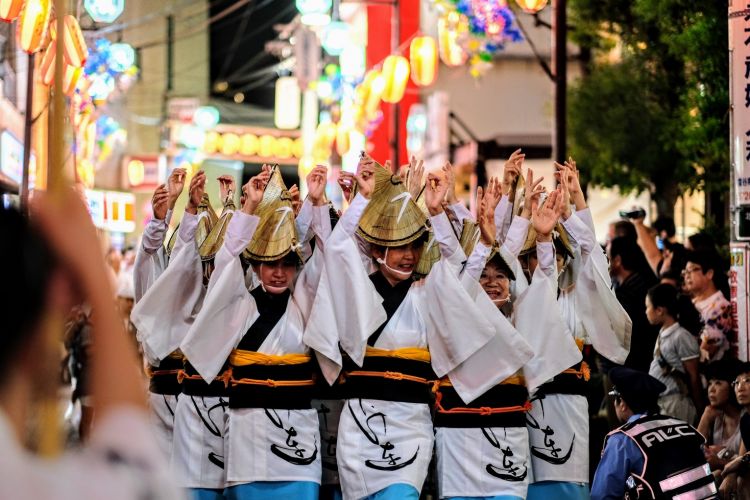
393 296
271 308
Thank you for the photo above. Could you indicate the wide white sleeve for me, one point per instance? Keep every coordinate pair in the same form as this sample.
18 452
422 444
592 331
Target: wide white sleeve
462 213
464 339
166 311
303 222
503 213
450 247
554 348
516 237
347 308
547 261
477 260
150 258
307 282
228 309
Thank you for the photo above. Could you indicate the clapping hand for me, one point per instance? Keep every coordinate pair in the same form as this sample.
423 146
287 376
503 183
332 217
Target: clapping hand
160 202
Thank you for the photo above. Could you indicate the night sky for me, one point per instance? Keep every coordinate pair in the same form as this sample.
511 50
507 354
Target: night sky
237 48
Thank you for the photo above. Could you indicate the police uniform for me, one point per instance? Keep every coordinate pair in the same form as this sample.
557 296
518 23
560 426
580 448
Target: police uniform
652 456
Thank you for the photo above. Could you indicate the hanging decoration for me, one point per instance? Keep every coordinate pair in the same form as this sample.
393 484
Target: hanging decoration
396 76
32 24
423 57
74 45
531 6
481 28
10 9
104 11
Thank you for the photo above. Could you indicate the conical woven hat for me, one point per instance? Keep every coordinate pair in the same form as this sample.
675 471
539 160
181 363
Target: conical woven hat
215 238
498 254
205 224
429 257
276 235
391 218
469 236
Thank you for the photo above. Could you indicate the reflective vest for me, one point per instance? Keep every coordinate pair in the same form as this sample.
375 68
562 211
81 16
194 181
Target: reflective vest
673 464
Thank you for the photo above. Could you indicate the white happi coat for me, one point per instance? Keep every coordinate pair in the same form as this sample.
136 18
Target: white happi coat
150 262
381 443
258 444
163 317
559 423
485 462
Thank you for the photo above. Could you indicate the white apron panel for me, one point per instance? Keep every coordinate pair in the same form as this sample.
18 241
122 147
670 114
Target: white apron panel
272 445
198 459
558 427
482 462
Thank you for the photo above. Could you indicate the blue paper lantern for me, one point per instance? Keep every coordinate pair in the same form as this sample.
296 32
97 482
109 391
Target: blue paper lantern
104 11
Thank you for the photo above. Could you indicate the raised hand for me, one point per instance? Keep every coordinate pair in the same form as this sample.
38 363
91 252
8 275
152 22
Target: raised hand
160 202
534 189
565 196
485 218
195 192
574 182
414 179
296 200
511 170
316 185
493 194
253 191
346 182
366 179
175 185
226 187
434 192
544 216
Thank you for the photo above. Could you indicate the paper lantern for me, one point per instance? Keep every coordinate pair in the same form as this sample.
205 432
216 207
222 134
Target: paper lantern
121 57
266 146
531 6
32 24
395 75
74 45
371 92
47 66
342 140
450 51
70 79
286 111
283 147
10 9
249 144
423 55
211 142
136 172
104 11
206 117
230 144
336 37
314 12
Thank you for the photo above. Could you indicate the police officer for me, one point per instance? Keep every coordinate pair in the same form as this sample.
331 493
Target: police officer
651 456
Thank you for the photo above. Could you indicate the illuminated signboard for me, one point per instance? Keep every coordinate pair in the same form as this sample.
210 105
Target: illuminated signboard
112 210
11 159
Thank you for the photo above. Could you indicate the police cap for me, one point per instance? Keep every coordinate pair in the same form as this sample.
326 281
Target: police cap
638 389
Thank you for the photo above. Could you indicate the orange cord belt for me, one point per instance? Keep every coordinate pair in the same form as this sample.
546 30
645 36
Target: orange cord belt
484 410
584 372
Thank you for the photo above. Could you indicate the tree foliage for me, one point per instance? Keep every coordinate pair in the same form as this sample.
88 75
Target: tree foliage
655 116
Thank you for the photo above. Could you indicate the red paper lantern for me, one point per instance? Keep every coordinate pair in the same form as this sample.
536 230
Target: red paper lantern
47 66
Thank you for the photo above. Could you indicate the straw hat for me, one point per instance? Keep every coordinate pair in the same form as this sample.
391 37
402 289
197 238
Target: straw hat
215 238
501 256
205 224
276 235
469 236
391 218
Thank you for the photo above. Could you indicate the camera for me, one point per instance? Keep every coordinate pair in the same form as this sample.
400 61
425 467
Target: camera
636 213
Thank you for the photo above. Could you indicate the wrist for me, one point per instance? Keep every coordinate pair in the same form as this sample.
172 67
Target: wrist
249 207
191 209
435 210
172 202
543 238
